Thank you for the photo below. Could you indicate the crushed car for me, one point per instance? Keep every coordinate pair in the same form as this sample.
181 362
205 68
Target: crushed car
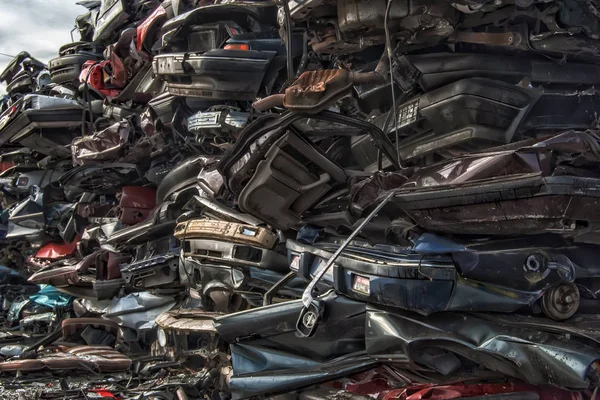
311 199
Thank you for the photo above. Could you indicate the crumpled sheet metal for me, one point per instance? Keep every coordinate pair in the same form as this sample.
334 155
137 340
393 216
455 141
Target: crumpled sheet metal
160 270
365 190
31 320
85 358
55 251
8 274
507 390
575 215
441 275
102 178
159 223
305 371
83 306
72 325
583 326
315 90
188 320
49 296
135 204
138 311
562 154
268 357
548 186
14 312
101 146
58 276
68 275
185 174
531 159
211 182
26 219
535 356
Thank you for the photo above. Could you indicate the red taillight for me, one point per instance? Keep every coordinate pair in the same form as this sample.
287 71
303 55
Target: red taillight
237 46
232 30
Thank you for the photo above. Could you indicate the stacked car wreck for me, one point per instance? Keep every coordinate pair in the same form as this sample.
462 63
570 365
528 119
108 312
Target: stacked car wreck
316 199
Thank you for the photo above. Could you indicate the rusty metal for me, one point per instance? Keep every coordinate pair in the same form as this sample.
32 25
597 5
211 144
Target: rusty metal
22 365
315 90
57 277
188 320
73 325
561 302
332 45
264 104
105 358
229 231
86 358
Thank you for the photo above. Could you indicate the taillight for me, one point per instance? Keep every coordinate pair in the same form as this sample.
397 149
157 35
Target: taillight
237 46
232 31
22 181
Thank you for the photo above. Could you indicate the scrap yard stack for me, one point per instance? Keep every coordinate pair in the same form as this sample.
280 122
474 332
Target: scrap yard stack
317 199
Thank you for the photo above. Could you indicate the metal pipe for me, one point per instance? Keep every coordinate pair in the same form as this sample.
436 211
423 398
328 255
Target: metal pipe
269 294
264 104
307 297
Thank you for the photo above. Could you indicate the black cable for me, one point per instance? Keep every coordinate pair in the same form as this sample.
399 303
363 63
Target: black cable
386 125
288 39
388 48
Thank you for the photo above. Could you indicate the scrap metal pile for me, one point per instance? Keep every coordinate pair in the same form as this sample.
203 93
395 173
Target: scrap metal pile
308 199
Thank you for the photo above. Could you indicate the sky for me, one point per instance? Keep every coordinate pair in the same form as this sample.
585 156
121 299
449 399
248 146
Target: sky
39 27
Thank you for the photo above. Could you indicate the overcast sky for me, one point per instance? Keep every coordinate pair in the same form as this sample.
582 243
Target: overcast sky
37 26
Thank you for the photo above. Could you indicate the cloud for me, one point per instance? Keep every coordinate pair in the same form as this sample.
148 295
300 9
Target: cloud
39 27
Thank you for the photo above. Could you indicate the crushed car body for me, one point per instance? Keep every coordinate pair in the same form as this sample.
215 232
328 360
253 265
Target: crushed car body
320 199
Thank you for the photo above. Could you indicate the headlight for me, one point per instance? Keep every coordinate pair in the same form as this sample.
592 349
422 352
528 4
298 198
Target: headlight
162 337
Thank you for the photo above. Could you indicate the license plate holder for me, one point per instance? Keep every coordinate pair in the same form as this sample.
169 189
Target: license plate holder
361 284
